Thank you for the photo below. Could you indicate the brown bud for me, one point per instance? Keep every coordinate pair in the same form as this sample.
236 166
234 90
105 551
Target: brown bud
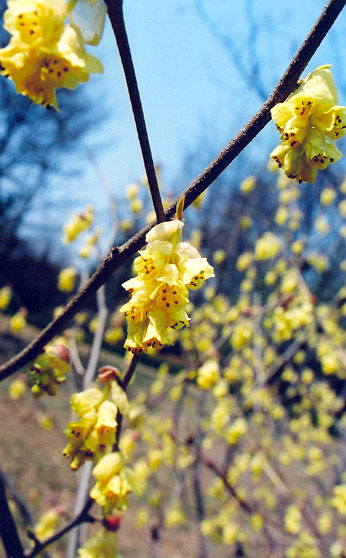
61 352
284 304
112 523
107 373
247 312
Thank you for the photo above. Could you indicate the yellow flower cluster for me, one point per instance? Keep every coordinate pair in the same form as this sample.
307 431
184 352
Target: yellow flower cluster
79 223
167 268
48 524
44 52
94 432
309 122
102 545
18 320
113 482
48 371
339 498
267 246
5 297
208 374
66 279
16 389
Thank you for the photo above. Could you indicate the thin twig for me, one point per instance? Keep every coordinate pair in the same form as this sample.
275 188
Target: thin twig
128 375
82 517
116 16
120 255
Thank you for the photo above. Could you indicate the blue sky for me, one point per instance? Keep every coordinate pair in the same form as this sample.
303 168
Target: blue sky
191 88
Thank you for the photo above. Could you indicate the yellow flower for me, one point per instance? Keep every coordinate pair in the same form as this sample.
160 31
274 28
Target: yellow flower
47 524
292 520
78 224
49 369
166 269
113 482
5 297
339 499
327 196
35 21
44 54
102 545
93 433
18 321
309 122
88 16
248 184
208 374
66 279
174 517
267 246
16 389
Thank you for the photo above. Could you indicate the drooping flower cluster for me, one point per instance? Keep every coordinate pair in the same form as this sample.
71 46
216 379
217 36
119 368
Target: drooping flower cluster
77 224
44 52
114 481
49 370
309 122
167 268
101 545
94 432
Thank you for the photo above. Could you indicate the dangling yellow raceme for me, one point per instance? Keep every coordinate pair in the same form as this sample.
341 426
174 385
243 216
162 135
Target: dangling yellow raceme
44 52
167 268
309 122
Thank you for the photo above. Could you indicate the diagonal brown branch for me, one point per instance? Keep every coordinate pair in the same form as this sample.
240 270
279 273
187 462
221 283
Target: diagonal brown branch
118 256
82 517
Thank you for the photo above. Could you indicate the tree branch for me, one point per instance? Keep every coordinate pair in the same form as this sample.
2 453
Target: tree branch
82 517
118 256
116 16
8 529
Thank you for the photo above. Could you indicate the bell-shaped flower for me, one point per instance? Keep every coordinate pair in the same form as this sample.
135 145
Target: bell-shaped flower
167 268
308 122
94 433
88 16
113 482
35 21
44 54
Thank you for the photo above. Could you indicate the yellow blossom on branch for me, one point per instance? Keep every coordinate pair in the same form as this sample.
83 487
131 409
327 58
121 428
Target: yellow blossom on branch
88 16
167 268
93 433
5 297
114 481
309 122
102 545
44 53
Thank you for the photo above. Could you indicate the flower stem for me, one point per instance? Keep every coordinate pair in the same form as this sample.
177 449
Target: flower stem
124 384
